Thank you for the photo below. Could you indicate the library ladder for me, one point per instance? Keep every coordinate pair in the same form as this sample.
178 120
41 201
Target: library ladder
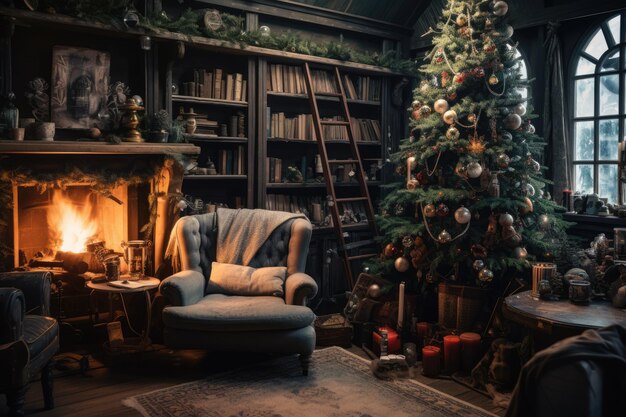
346 248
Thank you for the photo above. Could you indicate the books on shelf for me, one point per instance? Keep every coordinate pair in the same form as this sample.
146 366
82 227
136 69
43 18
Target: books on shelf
362 87
216 84
232 161
296 203
274 170
300 126
291 79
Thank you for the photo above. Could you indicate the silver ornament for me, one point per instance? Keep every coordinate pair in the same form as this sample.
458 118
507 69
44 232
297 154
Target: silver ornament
416 104
407 241
373 291
508 31
503 160
500 8
425 111
519 109
520 252
401 264
441 106
506 220
444 237
474 169
536 166
449 117
506 136
529 189
513 121
131 18
453 133
478 265
462 215
531 129
265 31
485 275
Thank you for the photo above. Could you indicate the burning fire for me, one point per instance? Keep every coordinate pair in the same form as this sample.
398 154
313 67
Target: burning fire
71 226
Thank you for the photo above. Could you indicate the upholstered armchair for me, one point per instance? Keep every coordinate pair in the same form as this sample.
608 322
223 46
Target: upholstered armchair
28 337
198 317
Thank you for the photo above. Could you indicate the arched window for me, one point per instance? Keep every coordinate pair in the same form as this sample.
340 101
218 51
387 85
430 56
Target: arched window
598 108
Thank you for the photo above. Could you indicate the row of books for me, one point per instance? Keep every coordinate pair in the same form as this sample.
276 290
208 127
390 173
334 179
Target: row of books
290 79
314 206
301 127
216 84
232 161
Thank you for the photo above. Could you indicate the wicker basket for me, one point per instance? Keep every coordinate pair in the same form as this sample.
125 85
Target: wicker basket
460 306
333 330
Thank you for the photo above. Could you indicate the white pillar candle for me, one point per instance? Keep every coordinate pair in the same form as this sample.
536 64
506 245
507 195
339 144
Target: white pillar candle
409 166
401 305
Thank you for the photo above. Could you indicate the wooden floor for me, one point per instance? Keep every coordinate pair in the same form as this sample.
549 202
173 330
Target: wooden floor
108 382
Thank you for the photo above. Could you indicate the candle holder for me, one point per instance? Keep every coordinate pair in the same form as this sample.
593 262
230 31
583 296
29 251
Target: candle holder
541 271
130 121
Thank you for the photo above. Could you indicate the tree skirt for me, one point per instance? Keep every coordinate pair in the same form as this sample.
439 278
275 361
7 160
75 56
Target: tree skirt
339 384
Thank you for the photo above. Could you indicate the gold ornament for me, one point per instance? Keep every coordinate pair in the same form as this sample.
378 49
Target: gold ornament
449 117
412 184
430 210
389 250
444 237
493 80
453 133
417 104
485 275
528 208
471 118
461 20
513 121
425 111
401 264
441 106
462 215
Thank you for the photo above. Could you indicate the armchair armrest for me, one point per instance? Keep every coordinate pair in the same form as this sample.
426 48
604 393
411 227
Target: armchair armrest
299 288
34 285
183 288
12 310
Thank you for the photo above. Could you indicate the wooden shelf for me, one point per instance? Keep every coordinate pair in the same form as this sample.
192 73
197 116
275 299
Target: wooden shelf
215 177
100 148
91 27
212 101
328 142
296 185
214 139
321 98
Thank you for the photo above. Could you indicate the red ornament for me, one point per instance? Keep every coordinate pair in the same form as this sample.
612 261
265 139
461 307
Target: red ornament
416 114
478 251
452 96
459 78
478 72
442 210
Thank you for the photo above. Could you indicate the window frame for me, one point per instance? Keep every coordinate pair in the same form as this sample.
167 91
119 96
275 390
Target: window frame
612 46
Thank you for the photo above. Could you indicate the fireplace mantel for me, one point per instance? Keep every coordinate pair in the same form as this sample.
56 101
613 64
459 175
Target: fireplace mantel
96 148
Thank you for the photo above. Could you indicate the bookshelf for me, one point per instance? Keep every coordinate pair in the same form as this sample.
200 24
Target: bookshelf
217 87
286 137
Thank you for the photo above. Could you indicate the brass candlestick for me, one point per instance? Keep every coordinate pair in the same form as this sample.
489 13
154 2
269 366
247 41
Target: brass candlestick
130 121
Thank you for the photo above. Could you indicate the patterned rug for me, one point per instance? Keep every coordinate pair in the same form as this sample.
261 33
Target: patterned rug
340 384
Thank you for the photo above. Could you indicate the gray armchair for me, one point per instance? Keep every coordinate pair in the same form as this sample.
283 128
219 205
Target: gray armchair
28 337
194 318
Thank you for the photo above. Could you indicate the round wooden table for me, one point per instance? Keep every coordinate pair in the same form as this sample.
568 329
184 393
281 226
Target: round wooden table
147 284
561 317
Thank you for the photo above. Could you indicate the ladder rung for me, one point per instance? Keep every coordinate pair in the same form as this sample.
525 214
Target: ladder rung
357 257
360 244
334 123
343 161
324 94
350 200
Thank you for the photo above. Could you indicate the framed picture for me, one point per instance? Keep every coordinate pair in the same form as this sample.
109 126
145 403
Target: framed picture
80 83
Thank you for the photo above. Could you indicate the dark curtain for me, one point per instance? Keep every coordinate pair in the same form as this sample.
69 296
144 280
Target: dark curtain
554 115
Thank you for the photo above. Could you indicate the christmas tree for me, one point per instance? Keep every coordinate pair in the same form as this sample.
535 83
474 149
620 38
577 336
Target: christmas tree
472 205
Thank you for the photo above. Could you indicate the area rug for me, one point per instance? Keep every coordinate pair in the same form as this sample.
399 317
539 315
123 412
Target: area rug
340 384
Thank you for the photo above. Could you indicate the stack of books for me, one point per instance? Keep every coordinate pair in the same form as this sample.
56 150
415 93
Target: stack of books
216 84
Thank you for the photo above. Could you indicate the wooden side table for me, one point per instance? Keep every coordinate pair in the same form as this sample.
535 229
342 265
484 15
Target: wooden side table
149 283
555 320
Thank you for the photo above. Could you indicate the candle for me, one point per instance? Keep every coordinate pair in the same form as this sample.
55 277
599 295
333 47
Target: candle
452 353
422 333
401 306
470 350
431 361
409 166
393 340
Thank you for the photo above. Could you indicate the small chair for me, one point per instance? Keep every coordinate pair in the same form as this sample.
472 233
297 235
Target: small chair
195 318
28 337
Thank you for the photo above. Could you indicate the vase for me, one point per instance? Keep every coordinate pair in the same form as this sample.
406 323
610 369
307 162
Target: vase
43 131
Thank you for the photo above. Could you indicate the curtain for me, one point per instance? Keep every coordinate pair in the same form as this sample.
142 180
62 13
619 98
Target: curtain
555 116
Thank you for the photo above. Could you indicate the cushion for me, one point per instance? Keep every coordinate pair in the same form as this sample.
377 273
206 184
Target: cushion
39 332
231 313
245 280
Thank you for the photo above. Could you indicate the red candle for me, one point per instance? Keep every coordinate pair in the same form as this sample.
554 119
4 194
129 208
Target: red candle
452 353
422 333
393 340
470 350
431 361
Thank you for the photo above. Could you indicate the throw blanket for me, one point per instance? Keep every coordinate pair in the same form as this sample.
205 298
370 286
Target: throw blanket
606 347
242 232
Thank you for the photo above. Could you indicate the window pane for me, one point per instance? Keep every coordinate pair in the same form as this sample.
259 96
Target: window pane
609 137
614 26
585 67
584 97
597 46
583 149
611 62
607 186
583 176
609 95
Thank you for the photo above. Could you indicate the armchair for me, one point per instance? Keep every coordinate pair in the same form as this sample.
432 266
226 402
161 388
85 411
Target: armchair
28 337
195 318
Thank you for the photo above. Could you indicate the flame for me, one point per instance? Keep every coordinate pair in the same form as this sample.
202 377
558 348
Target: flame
71 226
